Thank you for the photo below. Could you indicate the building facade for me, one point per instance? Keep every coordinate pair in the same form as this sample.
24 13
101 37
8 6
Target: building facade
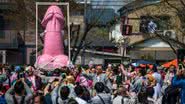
155 29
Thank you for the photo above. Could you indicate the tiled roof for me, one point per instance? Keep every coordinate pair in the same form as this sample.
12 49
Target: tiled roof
100 16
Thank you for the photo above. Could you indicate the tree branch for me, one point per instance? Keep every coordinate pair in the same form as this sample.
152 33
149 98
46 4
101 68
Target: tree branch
182 3
88 27
168 42
174 7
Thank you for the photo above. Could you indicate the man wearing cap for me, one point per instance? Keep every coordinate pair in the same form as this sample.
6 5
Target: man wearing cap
15 74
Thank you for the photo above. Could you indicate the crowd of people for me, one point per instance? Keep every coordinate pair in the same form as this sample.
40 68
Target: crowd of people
92 84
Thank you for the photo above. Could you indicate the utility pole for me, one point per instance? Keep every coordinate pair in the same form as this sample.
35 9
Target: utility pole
85 27
85 15
83 55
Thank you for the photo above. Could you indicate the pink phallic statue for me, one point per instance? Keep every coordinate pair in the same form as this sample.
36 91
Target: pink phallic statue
53 53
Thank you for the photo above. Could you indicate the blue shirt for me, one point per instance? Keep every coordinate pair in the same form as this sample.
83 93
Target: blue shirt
180 83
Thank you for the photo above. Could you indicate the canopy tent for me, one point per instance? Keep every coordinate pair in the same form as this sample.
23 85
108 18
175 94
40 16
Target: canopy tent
168 64
142 63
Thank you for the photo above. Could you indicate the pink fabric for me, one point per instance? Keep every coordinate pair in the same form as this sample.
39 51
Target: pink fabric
53 53
13 77
82 80
32 80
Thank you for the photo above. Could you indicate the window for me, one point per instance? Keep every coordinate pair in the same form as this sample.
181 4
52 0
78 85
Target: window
6 24
2 23
151 0
157 23
2 26
181 16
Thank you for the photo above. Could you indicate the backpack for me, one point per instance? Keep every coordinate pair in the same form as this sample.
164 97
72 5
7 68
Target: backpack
70 101
2 99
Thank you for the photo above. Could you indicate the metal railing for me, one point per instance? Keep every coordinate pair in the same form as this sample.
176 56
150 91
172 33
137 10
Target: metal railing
83 1
6 1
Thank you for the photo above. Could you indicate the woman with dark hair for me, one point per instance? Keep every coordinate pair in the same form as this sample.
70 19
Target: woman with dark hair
79 91
38 99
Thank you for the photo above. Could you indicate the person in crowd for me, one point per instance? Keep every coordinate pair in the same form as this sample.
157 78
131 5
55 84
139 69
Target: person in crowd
150 93
117 76
47 92
2 94
38 99
70 81
122 96
64 93
170 95
81 79
141 82
170 74
91 85
101 97
33 79
109 72
19 93
162 72
7 82
157 87
79 91
101 77
151 80
47 95
179 81
60 94
15 74
139 86
3 76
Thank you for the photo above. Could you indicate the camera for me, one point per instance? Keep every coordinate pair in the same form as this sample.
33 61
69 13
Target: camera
21 75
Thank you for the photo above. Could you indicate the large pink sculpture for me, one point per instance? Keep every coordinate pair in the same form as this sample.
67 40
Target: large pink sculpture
53 53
